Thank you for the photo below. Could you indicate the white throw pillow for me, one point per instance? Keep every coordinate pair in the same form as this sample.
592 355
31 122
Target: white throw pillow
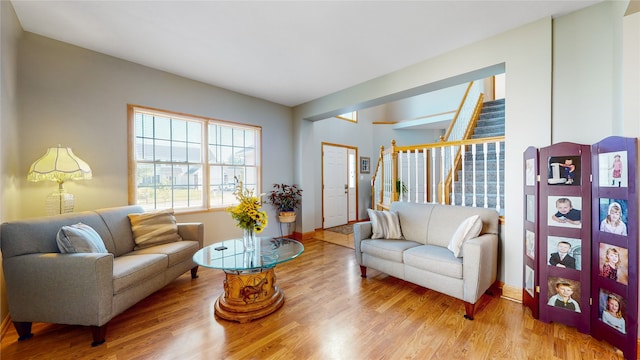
468 229
385 224
79 238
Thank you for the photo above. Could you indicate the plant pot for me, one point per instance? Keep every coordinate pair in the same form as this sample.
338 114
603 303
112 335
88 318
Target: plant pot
287 216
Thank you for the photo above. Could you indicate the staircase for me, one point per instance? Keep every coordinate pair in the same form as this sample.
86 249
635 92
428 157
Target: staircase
490 123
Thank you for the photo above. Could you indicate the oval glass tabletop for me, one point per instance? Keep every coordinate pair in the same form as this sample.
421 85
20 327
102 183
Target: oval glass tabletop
230 255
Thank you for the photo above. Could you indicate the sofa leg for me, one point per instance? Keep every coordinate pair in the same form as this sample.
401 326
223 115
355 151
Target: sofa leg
194 272
363 271
469 309
99 333
23 329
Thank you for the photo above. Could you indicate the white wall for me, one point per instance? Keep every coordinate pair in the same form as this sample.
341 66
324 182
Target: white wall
526 54
435 102
574 62
79 98
587 76
10 31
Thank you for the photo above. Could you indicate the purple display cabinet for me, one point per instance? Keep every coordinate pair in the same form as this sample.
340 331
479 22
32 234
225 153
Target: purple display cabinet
564 235
614 259
530 283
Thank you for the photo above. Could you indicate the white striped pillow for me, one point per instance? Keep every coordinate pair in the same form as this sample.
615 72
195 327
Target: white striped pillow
385 224
154 228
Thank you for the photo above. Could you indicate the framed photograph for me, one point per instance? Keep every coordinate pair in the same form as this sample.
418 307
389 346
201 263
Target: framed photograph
365 165
528 280
564 252
614 215
612 170
565 211
613 262
530 244
564 293
530 177
531 208
564 170
611 310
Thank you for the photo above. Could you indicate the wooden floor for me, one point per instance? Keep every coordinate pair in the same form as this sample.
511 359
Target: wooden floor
329 313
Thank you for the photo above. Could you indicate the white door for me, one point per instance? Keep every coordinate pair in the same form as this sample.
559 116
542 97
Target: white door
335 186
353 193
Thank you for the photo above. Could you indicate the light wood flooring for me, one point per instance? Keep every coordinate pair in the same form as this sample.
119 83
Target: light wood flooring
329 313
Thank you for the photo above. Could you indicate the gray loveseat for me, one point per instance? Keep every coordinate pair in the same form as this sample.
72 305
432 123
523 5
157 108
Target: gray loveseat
88 289
423 258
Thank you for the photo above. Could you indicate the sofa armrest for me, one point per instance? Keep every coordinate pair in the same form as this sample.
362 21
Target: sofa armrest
74 289
480 265
361 231
192 231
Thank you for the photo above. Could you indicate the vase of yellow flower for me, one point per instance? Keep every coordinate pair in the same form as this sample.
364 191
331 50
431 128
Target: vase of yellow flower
248 239
248 215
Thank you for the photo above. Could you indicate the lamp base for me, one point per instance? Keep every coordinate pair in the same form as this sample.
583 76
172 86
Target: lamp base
59 202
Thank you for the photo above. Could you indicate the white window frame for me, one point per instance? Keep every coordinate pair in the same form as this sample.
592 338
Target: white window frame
350 116
189 172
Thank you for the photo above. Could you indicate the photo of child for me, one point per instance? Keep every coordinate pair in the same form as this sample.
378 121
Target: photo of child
613 216
564 291
613 262
564 252
612 171
564 170
530 244
611 310
565 211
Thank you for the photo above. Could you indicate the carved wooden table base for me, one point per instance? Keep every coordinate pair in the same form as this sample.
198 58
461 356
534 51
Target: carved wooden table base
249 296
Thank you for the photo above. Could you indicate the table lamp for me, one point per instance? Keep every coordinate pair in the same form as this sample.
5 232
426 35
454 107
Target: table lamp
59 164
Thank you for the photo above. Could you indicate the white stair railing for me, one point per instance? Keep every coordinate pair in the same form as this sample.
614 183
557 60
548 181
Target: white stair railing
421 169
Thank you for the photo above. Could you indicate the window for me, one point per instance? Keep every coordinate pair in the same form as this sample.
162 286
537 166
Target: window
350 116
187 162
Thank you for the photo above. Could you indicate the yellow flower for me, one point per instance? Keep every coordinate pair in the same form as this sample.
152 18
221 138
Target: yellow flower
247 213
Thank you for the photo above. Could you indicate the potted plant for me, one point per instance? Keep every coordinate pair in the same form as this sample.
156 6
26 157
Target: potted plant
401 188
286 199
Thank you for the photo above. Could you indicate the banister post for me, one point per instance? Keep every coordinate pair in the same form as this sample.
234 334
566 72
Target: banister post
394 171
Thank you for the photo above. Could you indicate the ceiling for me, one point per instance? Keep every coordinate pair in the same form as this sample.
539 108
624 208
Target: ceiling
287 52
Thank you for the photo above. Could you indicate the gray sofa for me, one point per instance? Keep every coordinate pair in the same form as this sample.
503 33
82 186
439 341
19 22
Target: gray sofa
423 258
88 289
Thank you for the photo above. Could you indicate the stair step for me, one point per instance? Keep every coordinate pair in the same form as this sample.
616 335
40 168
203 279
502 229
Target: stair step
468 188
489 129
491 175
490 121
494 102
497 113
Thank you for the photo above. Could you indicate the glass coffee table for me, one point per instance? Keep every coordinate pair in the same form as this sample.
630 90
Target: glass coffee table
250 290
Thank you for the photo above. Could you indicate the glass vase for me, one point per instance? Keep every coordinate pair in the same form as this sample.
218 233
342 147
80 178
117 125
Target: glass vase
248 239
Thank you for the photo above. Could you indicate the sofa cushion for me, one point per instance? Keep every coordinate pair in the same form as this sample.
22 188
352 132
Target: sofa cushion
130 270
435 259
177 252
414 218
444 222
385 224
387 249
154 228
119 227
79 238
38 235
468 229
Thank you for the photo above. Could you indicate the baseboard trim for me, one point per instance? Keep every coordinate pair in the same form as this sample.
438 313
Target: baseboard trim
305 236
4 327
511 293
